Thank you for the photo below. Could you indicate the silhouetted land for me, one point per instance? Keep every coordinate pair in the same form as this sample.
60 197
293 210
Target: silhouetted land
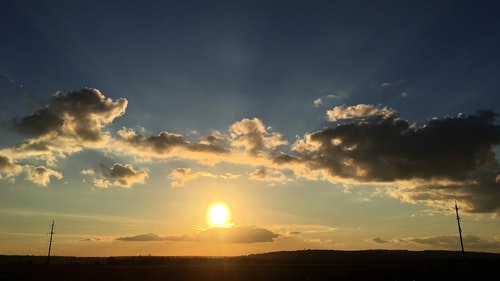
286 265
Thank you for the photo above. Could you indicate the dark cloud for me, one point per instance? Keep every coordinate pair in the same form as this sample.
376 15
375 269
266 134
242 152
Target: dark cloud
40 123
388 149
164 143
227 235
80 114
124 175
90 239
237 235
451 241
142 237
480 194
447 159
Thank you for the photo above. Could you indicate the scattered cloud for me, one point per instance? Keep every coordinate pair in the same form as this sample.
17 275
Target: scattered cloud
449 158
317 102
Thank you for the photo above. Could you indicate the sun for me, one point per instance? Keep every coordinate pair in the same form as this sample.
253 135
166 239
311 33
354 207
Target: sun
218 215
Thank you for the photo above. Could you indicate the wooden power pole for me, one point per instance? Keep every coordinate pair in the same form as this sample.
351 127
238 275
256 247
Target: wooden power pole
50 241
460 231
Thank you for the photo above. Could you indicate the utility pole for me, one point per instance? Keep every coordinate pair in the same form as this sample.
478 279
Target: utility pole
460 231
50 241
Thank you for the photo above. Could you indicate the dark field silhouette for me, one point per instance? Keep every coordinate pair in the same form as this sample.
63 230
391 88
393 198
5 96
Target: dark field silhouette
287 265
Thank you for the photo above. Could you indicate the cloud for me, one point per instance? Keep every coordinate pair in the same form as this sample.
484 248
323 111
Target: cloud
445 159
87 172
37 174
142 237
395 88
182 175
253 137
389 149
167 145
90 239
379 240
68 123
237 235
449 158
8 167
450 242
318 241
120 175
267 174
384 86
226 235
41 175
79 114
317 102
361 111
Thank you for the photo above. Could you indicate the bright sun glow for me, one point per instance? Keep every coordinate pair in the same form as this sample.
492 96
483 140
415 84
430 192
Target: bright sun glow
218 214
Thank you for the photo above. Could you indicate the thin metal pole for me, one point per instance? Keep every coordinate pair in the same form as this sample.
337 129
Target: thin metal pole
460 231
50 241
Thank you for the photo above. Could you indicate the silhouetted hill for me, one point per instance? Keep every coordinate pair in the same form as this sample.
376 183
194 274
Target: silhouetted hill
371 256
299 256
286 265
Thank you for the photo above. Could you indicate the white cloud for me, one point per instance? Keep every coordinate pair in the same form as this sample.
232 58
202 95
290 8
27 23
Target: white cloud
361 111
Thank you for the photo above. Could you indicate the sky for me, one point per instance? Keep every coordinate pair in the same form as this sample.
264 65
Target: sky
343 125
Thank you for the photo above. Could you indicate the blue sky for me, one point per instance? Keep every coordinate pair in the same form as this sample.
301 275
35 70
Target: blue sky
320 124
